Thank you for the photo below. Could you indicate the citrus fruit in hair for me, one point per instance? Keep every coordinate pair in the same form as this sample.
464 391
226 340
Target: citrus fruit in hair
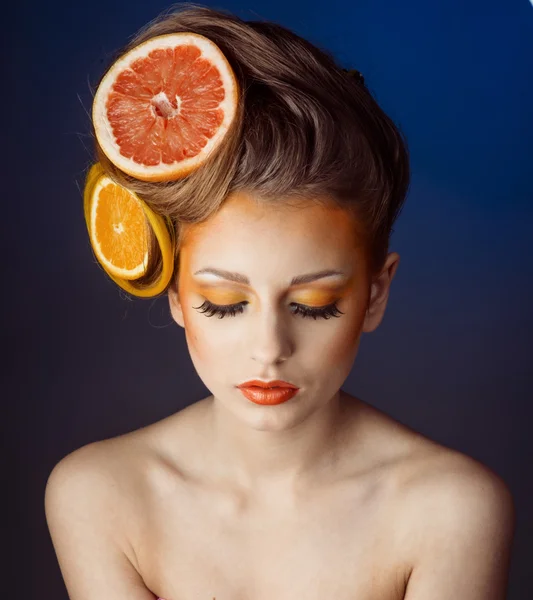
118 223
164 106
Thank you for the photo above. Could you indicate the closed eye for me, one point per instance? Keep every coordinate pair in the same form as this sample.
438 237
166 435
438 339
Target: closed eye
324 312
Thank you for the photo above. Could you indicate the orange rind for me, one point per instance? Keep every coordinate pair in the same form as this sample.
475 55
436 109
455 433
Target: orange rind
117 222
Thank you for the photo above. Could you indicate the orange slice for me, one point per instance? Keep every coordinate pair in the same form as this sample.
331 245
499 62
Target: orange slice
117 221
164 106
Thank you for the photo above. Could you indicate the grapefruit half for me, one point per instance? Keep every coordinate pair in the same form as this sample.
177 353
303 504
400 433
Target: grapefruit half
164 106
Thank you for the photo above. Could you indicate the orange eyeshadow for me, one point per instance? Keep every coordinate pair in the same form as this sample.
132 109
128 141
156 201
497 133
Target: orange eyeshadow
315 298
223 296
316 295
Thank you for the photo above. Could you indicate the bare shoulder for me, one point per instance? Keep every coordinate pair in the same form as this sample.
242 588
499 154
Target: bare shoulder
450 511
427 472
89 512
447 490
112 468
458 522
453 517
103 483
90 480
117 474
437 483
101 466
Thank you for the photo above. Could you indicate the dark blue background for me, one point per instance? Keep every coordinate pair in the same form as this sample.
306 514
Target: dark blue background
453 356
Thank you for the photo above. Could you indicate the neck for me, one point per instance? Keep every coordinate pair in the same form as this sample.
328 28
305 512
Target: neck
258 457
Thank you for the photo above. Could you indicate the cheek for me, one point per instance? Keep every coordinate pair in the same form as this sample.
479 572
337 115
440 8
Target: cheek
193 330
207 345
342 345
194 339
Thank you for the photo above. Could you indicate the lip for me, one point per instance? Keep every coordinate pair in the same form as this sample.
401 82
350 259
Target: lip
276 383
268 396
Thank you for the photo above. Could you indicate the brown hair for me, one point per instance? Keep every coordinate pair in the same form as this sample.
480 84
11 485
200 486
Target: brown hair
305 130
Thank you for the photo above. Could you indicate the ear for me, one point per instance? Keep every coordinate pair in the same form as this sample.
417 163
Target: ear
175 304
379 293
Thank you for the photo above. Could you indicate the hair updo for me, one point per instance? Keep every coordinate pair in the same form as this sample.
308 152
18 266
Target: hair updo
305 130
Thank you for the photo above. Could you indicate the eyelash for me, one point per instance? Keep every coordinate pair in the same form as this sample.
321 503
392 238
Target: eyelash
325 312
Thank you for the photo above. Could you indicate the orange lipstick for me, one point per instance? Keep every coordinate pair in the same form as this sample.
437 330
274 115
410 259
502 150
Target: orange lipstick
268 393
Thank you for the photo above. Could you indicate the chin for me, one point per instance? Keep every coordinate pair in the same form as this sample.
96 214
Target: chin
281 417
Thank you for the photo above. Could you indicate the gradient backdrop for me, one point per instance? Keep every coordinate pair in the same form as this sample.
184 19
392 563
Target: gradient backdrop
453 356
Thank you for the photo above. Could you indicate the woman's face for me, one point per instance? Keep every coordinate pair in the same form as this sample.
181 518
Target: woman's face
267 337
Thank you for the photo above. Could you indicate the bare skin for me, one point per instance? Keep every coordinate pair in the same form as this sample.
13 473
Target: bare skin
216 540
320 497
356 534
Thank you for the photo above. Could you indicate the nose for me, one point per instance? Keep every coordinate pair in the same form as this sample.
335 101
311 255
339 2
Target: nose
270 339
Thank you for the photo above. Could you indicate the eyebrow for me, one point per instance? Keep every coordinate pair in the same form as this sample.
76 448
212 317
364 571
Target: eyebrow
297 280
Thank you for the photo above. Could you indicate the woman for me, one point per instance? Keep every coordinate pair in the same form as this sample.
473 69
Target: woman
301 490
